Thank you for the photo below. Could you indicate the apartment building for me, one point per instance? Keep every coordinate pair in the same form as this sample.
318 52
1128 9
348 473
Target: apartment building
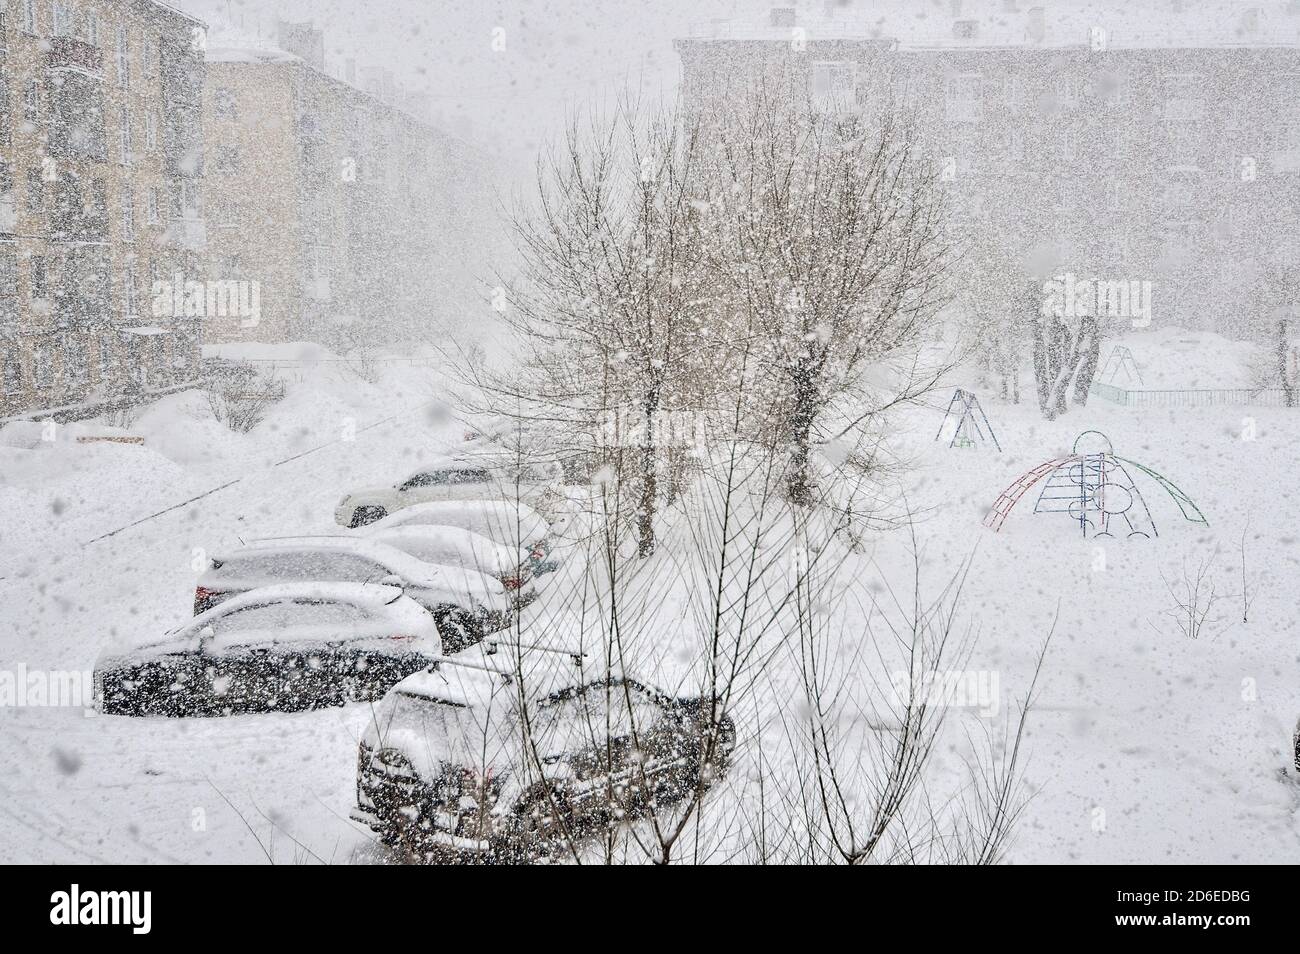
336 202
101 159
1156 142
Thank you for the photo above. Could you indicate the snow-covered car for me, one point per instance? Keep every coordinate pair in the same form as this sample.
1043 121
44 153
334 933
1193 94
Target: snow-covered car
504 522
465 603
281 648
464 477
452 546
446 772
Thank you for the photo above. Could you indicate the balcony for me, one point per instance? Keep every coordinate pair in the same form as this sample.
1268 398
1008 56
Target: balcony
69 53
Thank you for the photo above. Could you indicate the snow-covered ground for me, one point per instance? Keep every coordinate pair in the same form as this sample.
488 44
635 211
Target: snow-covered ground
1145 746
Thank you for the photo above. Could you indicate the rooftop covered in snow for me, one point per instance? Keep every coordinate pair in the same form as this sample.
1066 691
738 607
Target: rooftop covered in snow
1001 24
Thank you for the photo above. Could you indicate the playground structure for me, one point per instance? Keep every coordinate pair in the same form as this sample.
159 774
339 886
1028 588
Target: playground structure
1119 360
1096 488
969 431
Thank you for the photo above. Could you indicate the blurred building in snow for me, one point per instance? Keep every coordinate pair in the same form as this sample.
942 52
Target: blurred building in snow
101 159
347 209
1123 142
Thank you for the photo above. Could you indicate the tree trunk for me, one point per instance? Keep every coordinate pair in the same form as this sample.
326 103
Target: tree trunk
1288 387
1088 367
645 520
1041 328
799 483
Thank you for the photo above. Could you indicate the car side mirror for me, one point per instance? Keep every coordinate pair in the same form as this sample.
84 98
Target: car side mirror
205 636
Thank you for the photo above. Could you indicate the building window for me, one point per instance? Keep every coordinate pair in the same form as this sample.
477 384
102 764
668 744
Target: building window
185 199
1069 92
42 366
105 367
123 58
75 366
99 201
35 189
125 133
129 292
29 17
39 277
63 19
150 57
151 130
32 102
964 98
13 373
8 283
224 104
91 28
226 160
1111 89
128 214
832 81
151 212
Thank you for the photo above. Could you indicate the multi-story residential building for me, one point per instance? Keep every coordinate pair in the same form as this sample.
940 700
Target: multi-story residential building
1155 142
334 201
100 164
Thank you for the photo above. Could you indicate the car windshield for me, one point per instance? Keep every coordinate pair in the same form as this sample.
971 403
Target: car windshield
289 565
447 477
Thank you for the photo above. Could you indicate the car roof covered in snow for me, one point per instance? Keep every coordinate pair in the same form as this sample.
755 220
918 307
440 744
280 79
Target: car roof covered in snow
400 562
372 596
465 461
450 537
545 666
359 594
491 511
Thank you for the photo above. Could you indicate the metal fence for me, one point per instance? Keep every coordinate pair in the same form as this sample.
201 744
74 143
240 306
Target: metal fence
1199 397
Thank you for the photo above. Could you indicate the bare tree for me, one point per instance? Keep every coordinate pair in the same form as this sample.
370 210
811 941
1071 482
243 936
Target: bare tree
240 396
732 612
1247 587
1066 345
608 315
1195 596
826 235
991 322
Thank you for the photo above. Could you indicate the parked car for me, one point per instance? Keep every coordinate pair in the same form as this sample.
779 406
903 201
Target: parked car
452 546
444 774
502 521
282 648
465 604
464 477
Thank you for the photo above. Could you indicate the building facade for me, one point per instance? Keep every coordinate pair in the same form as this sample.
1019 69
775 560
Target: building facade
1117 143
334 201
101 163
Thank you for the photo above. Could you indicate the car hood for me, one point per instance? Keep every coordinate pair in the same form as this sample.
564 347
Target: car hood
378 490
